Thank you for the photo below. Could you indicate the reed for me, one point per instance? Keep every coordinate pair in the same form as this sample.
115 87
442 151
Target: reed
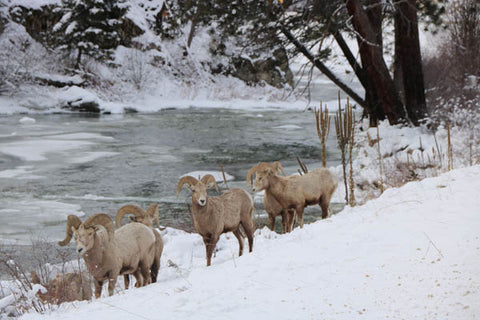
322 120
344 128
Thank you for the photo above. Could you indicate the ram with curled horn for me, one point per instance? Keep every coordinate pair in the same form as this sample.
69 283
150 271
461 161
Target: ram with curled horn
147 218
270 204
108 253
213 216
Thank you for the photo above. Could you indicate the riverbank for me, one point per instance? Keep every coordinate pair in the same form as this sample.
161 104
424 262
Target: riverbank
411 253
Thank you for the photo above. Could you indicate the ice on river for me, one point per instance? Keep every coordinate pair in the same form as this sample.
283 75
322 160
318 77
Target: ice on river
45 147
32 216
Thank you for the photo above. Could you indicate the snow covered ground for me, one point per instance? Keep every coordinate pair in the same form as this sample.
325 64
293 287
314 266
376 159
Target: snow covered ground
412 253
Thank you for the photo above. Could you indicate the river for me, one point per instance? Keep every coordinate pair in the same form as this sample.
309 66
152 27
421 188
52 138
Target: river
83 164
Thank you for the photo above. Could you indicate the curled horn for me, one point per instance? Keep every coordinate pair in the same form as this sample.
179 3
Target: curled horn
103 220
72 221
262 166
277 166
207 179
129 208
250 174
186 180
152 211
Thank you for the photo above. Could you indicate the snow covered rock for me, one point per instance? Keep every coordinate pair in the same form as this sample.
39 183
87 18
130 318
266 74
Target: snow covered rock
27 120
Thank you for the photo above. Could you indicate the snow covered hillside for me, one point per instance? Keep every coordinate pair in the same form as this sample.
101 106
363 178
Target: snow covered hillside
412 253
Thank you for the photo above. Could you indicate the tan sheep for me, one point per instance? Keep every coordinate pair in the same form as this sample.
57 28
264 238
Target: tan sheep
108 253
270 204
147 218
65 287
315 187
213 216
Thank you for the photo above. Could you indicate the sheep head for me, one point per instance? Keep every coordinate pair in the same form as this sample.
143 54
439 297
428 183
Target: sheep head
262 166
198 187
139 215
262 180
84 232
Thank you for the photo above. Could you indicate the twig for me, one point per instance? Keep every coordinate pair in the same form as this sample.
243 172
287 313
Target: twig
223 174
426 235
380 160
302 165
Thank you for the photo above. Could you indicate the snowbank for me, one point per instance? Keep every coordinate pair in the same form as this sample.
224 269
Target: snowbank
413 253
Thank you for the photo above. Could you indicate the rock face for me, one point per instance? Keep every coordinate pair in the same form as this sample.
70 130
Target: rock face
273 70
39 23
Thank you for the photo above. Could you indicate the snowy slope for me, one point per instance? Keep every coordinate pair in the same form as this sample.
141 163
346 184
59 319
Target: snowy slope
413 253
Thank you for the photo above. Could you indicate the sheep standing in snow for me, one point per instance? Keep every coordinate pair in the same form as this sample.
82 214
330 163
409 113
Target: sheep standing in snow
270 204
213 216
147 218
315 187
108 253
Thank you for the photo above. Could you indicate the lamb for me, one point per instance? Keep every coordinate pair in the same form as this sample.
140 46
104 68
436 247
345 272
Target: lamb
271 205
108 253
213 216
315 187
65 287
147 218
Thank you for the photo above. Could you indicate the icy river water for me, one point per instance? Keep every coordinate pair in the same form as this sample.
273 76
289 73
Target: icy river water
83 164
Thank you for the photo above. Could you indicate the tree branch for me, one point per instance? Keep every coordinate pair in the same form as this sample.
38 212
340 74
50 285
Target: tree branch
359 72
322 67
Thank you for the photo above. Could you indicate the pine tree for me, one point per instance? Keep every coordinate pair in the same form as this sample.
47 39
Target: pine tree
90 27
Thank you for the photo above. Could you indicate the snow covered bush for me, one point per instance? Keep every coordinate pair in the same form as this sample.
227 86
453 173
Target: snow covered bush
28 280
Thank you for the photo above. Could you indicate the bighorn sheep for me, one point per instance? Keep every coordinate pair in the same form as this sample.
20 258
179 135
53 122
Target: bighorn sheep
65 287
108 253
147 218
270 204
213 216
315 187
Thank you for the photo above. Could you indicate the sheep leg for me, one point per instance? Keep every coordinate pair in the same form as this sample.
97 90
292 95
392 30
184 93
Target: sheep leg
290 220
145 271
325 205
98 287
239 236
154 270
210 243
138 278
299 210
126 281
111 285
272 221
249 232
284 221
324 210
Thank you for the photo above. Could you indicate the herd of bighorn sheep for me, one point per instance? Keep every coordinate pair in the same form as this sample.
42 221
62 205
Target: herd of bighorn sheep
136 248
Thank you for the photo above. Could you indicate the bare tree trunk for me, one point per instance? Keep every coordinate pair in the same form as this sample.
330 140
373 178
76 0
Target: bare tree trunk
193 24
374 65
372 108
408 60
79 59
